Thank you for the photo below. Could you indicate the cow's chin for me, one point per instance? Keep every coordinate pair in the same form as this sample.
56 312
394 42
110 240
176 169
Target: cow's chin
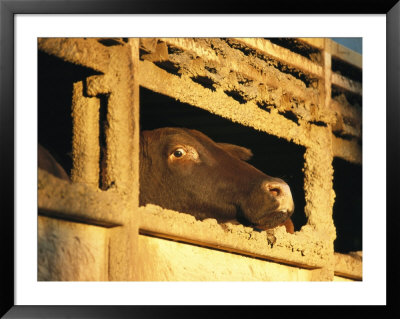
272 219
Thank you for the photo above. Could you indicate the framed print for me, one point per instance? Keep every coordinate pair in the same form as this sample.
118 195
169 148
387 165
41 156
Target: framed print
154 154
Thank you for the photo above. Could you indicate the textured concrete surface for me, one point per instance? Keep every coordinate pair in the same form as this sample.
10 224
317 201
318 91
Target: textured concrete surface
89 229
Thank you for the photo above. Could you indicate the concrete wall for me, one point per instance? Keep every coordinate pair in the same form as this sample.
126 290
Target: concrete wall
93 227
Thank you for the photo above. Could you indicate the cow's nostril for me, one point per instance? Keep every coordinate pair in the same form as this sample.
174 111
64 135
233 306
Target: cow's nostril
274 191
279 196
276 188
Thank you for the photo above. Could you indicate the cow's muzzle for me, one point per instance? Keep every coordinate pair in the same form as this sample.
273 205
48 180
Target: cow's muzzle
280 191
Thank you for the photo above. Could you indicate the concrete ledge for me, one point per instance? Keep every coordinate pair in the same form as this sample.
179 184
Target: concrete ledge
349 265
348 150
305 248
79 202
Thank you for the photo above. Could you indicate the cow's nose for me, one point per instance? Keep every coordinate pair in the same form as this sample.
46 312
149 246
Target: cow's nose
277 189
280 191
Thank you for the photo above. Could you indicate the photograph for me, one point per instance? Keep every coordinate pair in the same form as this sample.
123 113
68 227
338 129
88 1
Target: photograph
156 156
210 159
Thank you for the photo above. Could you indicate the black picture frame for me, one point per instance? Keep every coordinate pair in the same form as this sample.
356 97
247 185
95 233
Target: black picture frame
8 10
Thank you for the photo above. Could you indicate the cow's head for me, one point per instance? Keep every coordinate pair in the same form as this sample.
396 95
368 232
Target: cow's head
184 170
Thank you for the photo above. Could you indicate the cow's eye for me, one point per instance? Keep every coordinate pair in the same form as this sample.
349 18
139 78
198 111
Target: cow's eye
179 152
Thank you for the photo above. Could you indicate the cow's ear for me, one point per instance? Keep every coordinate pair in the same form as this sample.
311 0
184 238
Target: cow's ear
237 151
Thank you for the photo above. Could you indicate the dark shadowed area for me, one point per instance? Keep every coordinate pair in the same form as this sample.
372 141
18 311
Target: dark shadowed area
347 210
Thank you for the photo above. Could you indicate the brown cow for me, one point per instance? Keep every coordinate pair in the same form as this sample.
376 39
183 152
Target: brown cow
184 170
